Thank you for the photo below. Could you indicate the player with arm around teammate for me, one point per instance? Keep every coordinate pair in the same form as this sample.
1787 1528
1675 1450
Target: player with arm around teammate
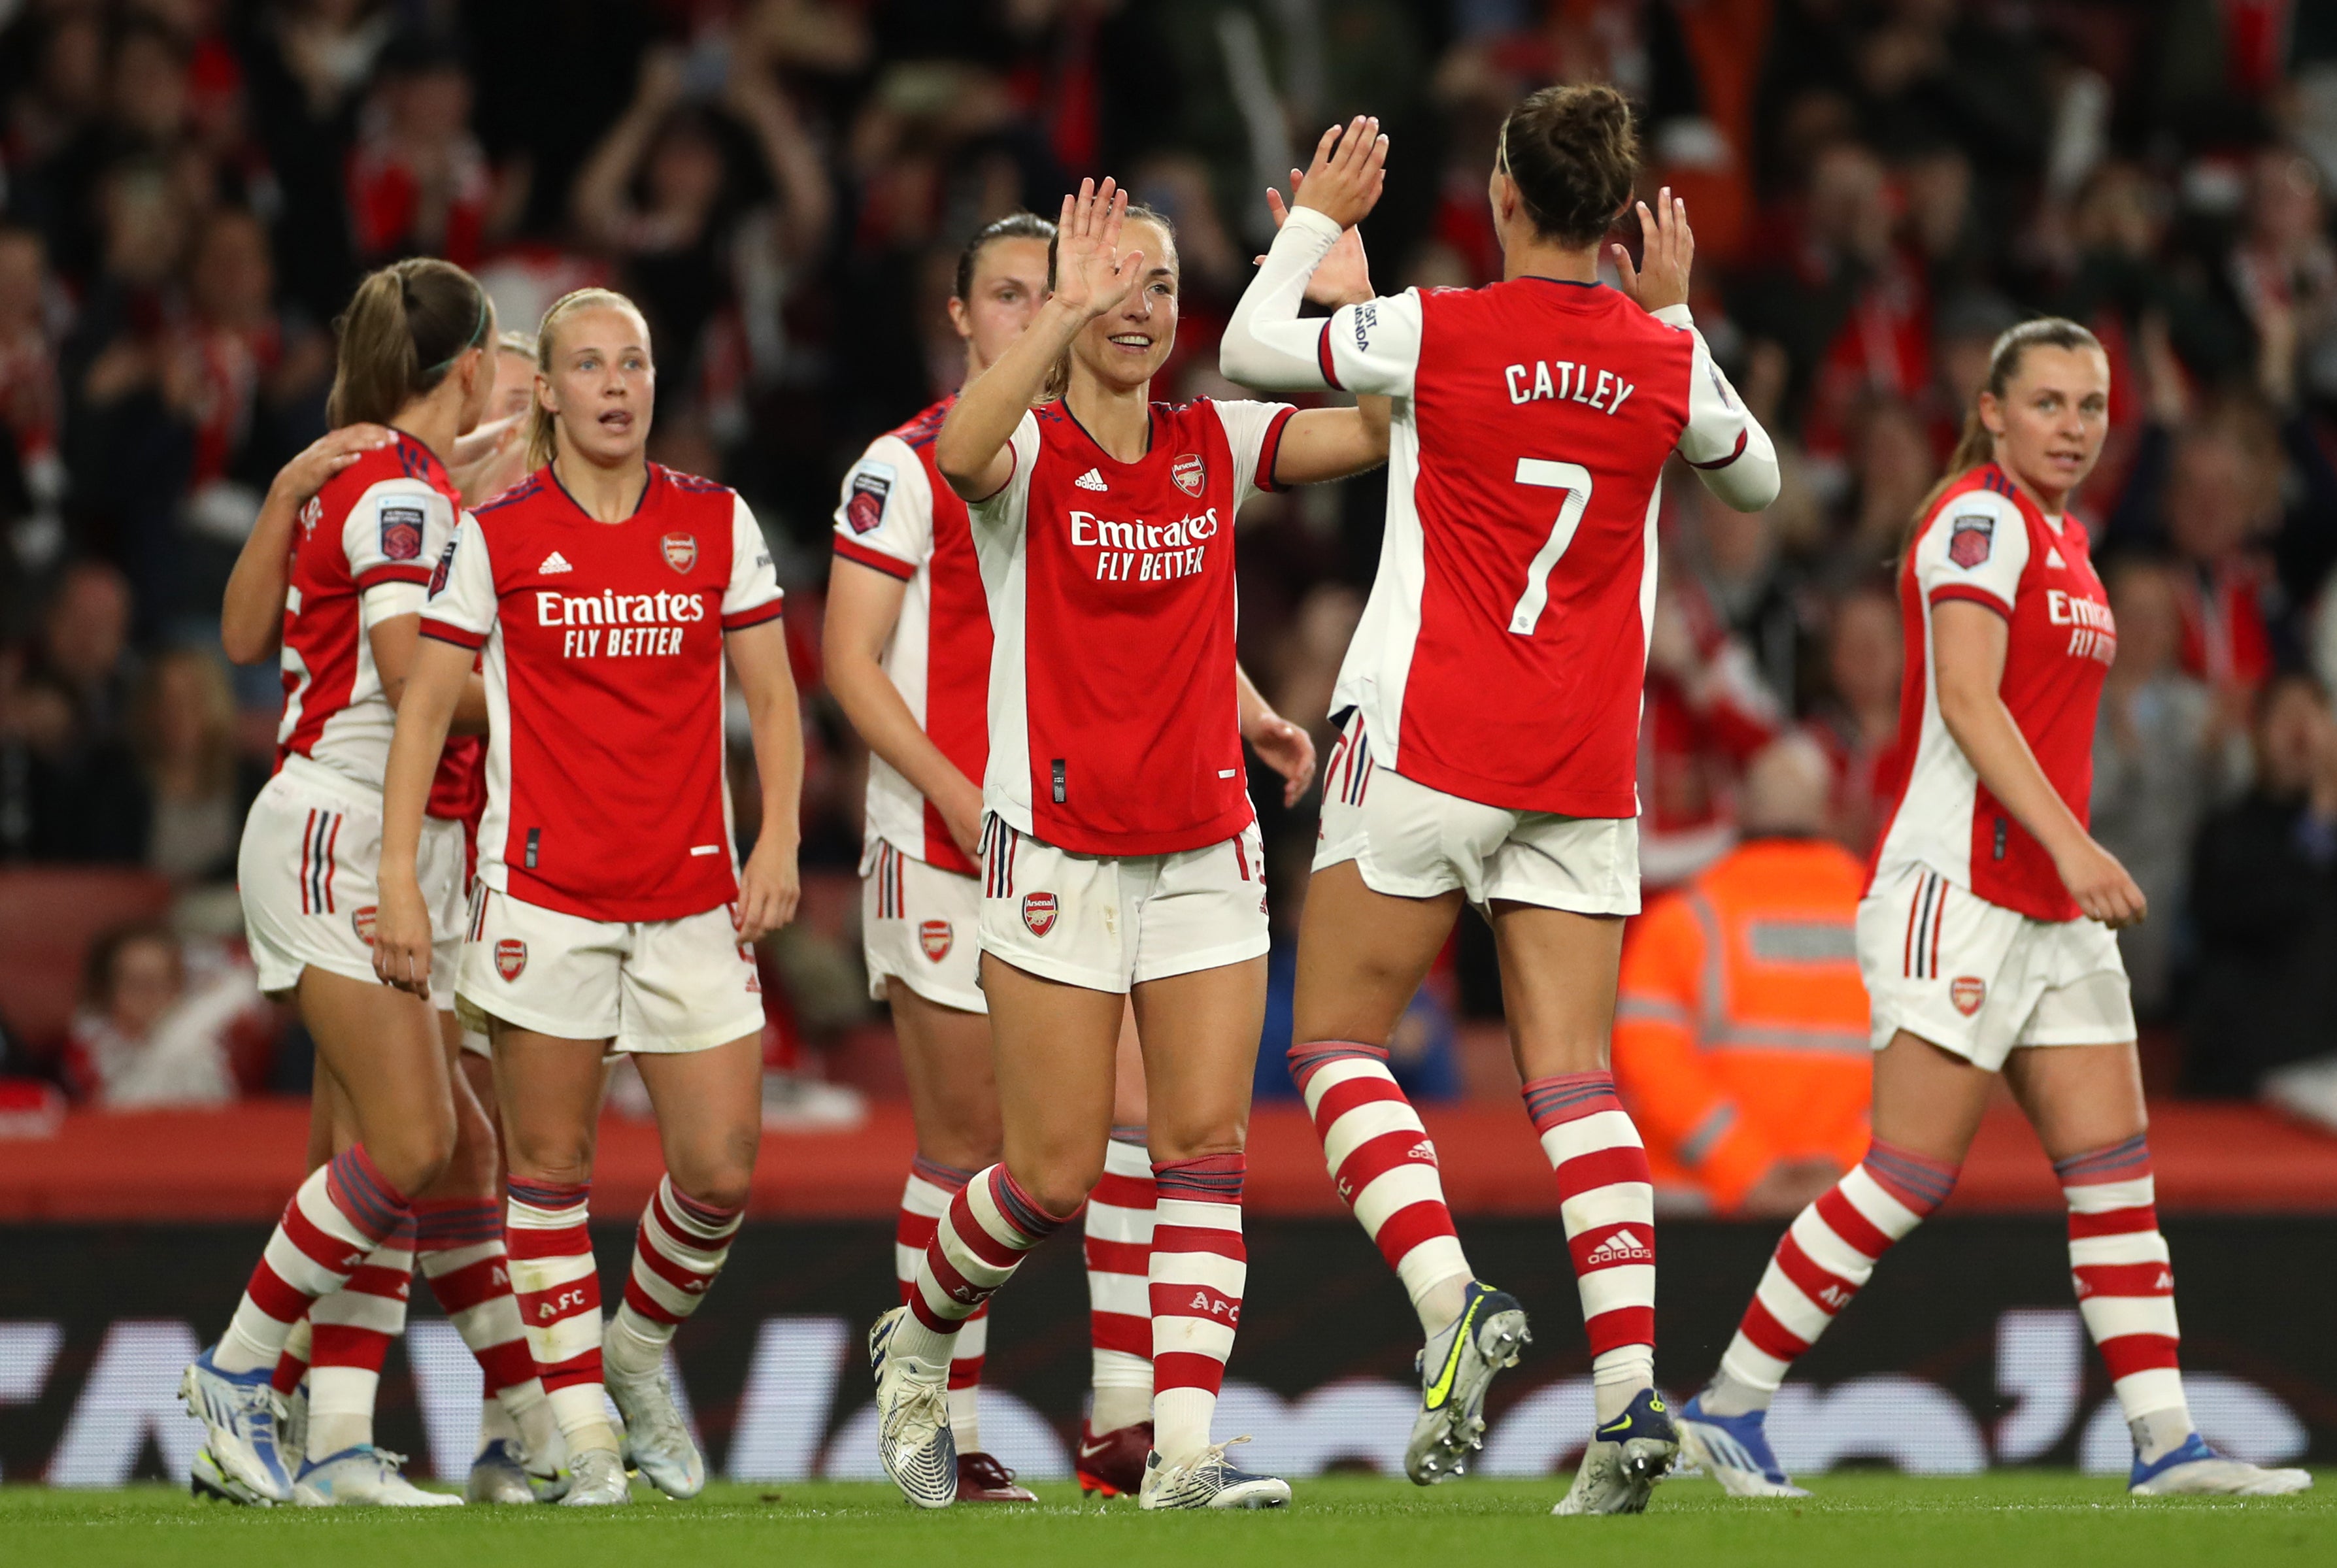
413 355
1489 704
1985 938
606 591
1120 855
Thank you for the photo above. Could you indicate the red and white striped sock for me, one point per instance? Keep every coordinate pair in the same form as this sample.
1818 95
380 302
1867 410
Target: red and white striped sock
2126 1286
351 1331
558 1288
340 1213
1826 1255
1118 1243
976 1248
1607 1200
1384 1167
1199 1268
293 1364
460 1250
924 1199
679 1251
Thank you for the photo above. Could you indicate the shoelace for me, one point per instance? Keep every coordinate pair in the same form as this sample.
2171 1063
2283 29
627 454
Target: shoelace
920 1399
1213 1457
987 1470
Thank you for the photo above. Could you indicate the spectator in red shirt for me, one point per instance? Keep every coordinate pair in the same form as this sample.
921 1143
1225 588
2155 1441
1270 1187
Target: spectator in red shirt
418 182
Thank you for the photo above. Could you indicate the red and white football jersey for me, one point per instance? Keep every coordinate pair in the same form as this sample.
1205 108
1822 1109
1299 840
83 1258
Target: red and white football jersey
1114 728
1502 651
362 555
1987 542
603 644
898 516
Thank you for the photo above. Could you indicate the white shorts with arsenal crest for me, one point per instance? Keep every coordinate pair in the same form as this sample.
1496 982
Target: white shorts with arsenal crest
648 986
1109 923
917 925
1979 980
308 873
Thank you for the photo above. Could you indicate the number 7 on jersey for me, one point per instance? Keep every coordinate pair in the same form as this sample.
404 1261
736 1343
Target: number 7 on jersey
1575 479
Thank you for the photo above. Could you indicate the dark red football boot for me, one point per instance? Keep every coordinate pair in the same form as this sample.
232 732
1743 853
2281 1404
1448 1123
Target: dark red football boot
1114 1462
982 1479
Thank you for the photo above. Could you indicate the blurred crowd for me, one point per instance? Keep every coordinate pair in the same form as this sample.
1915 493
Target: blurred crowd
189 188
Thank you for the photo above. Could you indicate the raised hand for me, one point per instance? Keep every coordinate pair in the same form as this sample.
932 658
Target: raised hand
1343 275
1090 275
1666 251
1349 171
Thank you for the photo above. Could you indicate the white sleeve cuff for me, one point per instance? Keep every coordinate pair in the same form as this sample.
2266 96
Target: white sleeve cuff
1676 316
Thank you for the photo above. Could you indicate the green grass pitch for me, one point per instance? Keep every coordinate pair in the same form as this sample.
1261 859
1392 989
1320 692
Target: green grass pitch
2005 1519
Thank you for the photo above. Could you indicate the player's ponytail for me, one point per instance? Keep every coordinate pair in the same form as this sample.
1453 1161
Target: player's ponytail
542 424
1975 447
1574 156
405 328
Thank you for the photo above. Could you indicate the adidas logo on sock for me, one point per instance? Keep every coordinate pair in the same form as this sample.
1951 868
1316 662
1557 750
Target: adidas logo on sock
1623 1247
1090 479
1423 1151
553 562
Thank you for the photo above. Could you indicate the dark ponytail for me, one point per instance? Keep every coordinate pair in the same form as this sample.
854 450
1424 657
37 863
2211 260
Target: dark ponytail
1975 447
403 329
1575 157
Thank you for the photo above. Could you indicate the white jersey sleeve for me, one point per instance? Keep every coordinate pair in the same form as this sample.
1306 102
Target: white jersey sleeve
752 595
392 536
887 508
462 607
1373 347
1253 432
1005 510
1725 445
1976 548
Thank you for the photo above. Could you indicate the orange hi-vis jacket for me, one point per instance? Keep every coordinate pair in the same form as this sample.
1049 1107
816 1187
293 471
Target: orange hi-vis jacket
1741 1030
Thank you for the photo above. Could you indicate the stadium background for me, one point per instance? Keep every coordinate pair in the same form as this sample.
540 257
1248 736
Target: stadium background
189 188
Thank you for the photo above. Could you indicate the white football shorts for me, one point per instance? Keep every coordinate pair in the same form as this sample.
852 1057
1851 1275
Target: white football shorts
1979 980
1109 923
918 924
1411 841
307 871
649 986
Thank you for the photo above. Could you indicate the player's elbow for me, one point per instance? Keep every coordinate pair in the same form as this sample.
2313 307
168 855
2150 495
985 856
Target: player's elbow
245 646
1237 360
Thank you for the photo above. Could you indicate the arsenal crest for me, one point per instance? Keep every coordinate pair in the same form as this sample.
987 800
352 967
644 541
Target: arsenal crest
1968 992
1038 912
681 551
362 919
935 937
1969 539
1191 474
511 957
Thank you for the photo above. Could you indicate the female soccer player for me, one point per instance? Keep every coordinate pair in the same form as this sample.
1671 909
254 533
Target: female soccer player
1985 935
1491 705
1120 853
606 591
413 355
459 1244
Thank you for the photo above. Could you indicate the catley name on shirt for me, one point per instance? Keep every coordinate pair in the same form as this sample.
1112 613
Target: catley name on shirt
1566 381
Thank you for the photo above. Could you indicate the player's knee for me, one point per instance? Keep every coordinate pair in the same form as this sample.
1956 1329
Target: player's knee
413 1156
720 1175
1060 1189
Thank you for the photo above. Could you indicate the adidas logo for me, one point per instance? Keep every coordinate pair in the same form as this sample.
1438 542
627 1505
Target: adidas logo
554 562
2053 557
1623 1247
1090 479
1423 1150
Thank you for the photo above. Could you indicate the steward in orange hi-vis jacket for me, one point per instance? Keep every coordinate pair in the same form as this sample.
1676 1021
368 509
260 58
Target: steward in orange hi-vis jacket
1741 1044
